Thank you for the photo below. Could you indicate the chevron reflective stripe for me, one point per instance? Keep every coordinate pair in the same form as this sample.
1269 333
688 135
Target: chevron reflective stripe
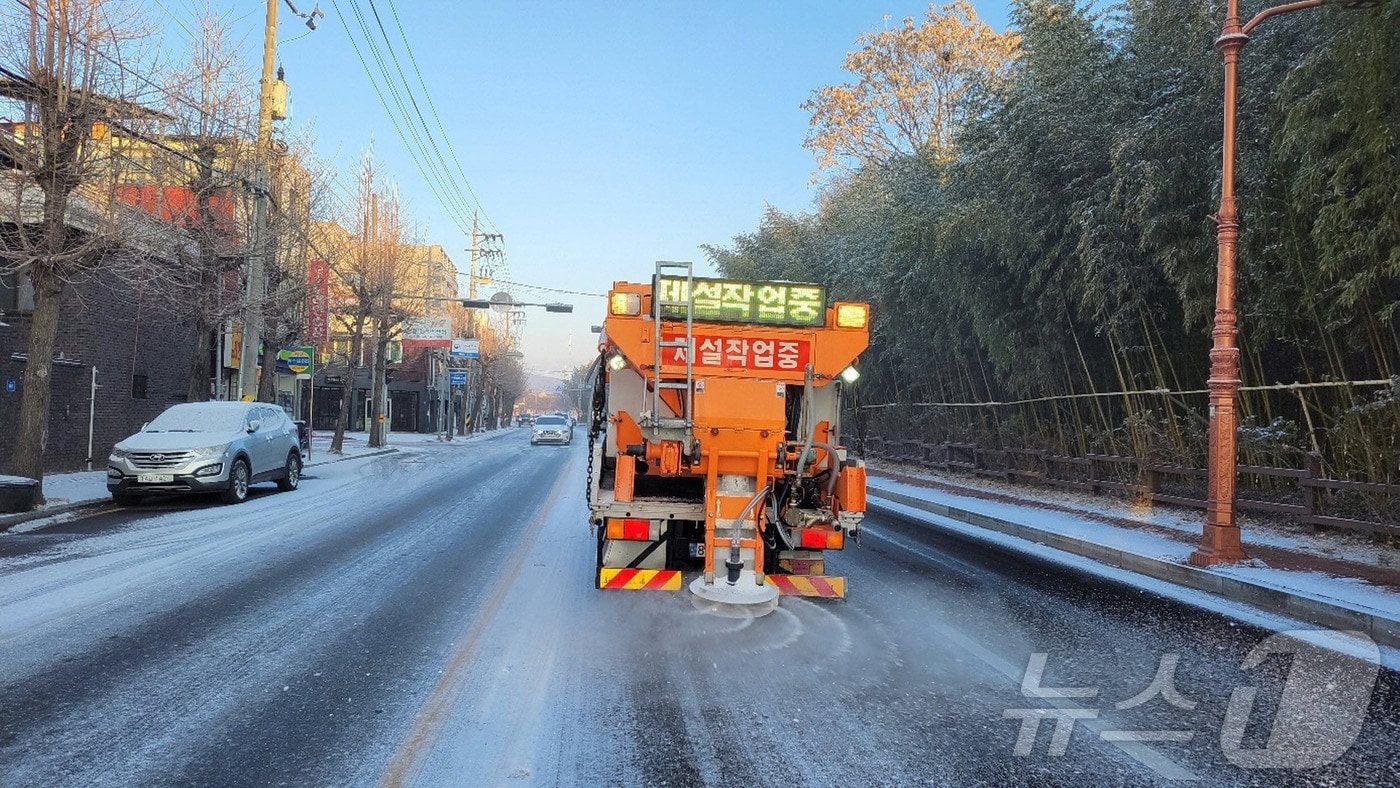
639 579
794 585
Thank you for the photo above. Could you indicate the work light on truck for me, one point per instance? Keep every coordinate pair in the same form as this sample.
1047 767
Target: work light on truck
625 304
850 374
616 362
852 315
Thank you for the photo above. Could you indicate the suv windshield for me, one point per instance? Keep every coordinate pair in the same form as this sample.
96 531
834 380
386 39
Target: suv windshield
204 417
549 421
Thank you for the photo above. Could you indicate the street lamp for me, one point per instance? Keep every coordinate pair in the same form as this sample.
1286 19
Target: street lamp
1220 536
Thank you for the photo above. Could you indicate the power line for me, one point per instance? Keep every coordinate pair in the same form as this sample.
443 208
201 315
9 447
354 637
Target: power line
433 107
549 289
422 151
412 150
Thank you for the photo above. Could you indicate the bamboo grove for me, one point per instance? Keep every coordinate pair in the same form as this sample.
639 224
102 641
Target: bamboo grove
1064 245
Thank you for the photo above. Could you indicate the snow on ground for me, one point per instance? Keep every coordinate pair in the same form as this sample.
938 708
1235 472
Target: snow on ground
64 489
1255 529
1390 657
1096 531
1347 591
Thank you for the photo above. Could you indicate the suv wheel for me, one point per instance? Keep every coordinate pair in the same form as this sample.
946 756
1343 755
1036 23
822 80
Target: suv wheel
238 478
291 475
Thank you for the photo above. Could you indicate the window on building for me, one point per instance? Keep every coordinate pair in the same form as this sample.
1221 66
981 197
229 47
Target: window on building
16 293
138 386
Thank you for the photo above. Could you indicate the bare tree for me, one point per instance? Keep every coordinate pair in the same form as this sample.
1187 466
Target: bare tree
371 277
299 191
205 156
908 88
349 311
61 75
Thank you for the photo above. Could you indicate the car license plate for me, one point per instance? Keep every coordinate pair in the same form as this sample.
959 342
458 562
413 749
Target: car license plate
154 478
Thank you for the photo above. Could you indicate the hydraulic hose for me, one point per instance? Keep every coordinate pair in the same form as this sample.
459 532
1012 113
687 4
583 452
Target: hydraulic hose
812 422
735 564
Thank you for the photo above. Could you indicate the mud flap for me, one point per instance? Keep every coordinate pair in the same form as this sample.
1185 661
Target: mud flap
813 585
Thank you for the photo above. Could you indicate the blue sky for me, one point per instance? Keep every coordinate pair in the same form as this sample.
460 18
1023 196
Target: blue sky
598 136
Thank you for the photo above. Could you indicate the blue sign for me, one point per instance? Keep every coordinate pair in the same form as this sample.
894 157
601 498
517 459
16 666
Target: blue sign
466 348
9 385
457 378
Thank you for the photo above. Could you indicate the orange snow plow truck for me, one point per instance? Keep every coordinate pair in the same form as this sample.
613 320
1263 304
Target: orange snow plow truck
715 440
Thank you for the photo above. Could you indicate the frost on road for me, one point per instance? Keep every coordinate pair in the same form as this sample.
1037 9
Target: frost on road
427 618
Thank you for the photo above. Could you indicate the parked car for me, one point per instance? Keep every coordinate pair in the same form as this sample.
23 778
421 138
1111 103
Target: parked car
207 447
551 429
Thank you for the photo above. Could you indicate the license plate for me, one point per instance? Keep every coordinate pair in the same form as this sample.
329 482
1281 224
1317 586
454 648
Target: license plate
155 478
697 549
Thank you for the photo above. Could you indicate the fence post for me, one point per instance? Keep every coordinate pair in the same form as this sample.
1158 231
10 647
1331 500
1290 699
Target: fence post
1311 495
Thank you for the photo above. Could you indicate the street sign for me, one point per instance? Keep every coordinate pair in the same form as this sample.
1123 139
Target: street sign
559 389
457 378
9 385
299 360
466 348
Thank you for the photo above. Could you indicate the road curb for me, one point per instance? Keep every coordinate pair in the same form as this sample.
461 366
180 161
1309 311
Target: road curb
9 521
380 453
1382 629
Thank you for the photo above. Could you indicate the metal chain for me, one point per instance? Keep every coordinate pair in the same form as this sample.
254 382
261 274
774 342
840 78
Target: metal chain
596 419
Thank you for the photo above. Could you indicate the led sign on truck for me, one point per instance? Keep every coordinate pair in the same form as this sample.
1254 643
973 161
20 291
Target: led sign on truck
730 301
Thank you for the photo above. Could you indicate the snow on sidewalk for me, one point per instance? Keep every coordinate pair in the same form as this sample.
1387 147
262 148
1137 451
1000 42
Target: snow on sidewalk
1160 533
62 491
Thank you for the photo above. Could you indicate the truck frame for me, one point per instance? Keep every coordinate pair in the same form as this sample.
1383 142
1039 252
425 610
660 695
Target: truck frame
715 439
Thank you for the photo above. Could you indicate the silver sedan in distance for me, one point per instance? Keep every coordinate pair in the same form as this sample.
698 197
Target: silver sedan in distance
551 429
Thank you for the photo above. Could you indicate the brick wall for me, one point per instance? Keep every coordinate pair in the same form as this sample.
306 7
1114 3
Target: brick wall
103 324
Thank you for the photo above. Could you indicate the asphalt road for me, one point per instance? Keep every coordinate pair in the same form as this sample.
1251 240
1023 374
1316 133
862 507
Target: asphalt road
426 618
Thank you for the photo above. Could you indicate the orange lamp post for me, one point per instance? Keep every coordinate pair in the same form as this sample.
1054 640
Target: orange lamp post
1220 537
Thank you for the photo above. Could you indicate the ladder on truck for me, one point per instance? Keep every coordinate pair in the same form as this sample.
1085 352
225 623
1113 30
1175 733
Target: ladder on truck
660 305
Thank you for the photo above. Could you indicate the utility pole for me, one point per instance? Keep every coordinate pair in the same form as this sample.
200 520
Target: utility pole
483 246
257 281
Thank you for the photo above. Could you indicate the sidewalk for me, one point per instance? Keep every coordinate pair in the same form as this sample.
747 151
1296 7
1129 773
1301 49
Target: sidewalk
1333 579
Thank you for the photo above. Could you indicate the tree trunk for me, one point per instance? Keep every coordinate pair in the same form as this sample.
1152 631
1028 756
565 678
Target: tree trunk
197 389
267 382
376 426
28 457
347 388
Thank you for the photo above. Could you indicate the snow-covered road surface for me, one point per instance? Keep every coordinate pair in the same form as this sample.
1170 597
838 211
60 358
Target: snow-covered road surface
427 618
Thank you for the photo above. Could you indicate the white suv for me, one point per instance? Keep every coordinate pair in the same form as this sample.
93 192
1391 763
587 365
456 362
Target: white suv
219 447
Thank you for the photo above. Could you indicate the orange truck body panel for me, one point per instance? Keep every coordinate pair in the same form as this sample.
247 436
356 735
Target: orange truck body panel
743 380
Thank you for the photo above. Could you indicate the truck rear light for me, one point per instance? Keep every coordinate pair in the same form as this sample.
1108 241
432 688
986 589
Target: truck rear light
634 529
819 539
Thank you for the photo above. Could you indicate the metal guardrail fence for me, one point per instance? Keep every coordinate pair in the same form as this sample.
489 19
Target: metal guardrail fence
1097 473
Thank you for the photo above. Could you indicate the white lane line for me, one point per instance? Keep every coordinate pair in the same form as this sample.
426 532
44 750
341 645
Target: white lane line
1156 761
